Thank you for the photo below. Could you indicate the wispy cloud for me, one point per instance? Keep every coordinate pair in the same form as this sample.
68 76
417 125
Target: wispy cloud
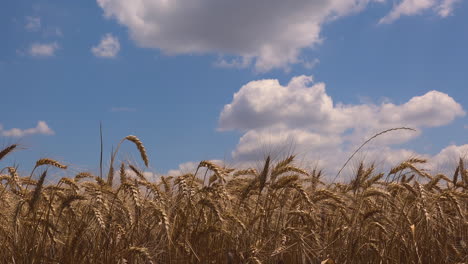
122 109
41 129
32 23
107 48
310 64
237 63
43 49
443 8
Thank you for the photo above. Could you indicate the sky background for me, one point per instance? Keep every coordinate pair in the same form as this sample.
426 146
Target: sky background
234 80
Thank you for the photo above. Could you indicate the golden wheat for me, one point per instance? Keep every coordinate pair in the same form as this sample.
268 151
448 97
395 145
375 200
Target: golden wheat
50 162
282 214
140 147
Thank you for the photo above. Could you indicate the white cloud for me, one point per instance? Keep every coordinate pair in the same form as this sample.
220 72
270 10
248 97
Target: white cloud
186 167
310 64
33 23
276 139
107 48
41 129
302 116
43 49
271 33
304 104
236 63
447 159
443 8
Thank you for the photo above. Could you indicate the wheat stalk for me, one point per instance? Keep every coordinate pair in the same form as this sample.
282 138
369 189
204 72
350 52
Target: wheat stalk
367 141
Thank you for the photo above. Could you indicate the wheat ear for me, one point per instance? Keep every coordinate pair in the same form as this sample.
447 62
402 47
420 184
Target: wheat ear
7 150
50 162
140 147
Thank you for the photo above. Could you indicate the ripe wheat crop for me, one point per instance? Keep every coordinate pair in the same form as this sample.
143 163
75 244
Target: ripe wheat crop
279 214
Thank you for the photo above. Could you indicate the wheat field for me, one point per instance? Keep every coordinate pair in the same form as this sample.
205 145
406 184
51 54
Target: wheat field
280 213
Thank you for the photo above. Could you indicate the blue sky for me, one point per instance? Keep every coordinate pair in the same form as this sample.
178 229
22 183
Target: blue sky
318 77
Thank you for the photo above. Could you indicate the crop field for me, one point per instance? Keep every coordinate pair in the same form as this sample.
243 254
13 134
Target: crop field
280 213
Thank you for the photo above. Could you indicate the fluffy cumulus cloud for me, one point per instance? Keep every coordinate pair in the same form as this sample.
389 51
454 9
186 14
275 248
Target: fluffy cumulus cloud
43 49
268 33
108 47
447 158
301 115
443 8
42 129
305 104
